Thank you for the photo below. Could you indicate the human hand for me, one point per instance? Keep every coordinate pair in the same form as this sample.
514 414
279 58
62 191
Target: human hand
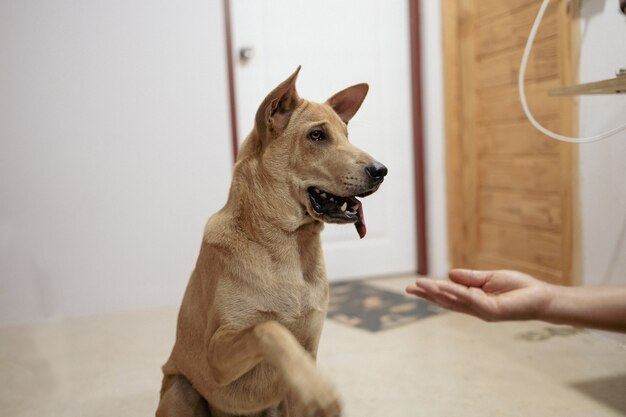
489 295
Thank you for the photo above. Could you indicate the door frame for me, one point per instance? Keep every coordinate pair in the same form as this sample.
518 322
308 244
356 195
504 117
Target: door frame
418 132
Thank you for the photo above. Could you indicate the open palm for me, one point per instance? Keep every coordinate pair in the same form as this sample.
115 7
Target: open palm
489 295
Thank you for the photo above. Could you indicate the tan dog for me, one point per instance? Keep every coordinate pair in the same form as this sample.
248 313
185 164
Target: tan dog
252 314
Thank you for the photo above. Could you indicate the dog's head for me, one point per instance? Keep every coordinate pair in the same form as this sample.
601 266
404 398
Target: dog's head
305 145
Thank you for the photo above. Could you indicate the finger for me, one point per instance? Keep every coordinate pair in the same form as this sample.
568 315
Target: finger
424 295
470 278
450 302
412 289
436 292
431 286
473 300
459 294
425 288
419 292
458 290
470 300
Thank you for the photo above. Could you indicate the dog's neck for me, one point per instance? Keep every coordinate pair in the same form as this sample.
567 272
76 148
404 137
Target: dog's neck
264 207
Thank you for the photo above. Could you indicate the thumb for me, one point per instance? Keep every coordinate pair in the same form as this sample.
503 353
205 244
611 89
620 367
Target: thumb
468 277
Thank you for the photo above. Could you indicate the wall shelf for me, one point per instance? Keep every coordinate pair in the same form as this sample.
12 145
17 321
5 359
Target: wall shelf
615 85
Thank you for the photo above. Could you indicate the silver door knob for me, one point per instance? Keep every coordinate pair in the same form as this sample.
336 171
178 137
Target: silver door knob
246 53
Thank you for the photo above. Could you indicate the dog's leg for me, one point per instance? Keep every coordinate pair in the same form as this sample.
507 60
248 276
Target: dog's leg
233 353
180 399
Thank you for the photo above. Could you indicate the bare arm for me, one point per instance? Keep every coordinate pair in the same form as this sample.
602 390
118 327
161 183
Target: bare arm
601 307
512 295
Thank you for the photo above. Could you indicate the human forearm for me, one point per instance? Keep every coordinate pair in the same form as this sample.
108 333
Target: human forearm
601 307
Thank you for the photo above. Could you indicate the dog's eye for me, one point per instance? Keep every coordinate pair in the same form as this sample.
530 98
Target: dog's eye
317 135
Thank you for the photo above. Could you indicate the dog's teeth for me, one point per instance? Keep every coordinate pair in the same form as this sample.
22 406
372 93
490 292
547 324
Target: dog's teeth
323 195
332 199
317 190
344 206
355 207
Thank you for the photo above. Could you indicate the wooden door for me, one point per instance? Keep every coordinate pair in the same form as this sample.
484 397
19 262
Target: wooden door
511 190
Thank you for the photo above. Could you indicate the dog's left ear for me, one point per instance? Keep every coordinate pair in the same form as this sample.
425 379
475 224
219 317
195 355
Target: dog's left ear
347 102
275 111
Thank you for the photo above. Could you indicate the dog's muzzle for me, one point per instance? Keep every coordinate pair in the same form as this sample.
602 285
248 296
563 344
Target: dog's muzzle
341 209
336 207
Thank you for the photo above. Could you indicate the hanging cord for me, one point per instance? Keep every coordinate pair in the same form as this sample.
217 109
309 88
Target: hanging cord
522 94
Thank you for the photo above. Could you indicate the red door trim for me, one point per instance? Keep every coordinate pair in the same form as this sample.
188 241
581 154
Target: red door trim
418 137
230 63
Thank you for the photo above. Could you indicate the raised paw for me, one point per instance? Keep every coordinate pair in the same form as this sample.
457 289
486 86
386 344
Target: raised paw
318 398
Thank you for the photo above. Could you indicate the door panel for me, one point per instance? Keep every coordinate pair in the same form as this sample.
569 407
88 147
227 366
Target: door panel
338 44
511 190
532 210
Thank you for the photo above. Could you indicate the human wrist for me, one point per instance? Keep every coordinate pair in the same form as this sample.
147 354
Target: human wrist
558 299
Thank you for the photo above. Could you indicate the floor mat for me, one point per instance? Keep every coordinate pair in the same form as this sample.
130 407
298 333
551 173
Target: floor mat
369 308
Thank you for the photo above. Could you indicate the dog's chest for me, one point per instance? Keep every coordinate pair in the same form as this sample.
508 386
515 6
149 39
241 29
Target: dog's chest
299 281
286 283
293 299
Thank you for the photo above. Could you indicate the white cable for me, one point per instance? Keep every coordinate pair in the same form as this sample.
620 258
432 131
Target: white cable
522 95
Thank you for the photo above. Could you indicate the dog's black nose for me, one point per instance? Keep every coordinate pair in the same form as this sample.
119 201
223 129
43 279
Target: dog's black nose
376 170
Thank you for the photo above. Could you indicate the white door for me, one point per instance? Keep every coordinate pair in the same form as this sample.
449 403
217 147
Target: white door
340 43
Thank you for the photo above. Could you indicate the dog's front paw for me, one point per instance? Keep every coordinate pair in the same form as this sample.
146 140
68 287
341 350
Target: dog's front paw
319 398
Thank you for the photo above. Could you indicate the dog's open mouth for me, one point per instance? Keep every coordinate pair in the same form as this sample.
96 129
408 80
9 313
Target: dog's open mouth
342 209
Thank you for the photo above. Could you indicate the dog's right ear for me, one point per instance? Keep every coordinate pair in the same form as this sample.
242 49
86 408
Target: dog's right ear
276 110
347 102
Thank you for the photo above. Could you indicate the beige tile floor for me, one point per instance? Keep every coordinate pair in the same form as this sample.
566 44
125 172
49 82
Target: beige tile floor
444 365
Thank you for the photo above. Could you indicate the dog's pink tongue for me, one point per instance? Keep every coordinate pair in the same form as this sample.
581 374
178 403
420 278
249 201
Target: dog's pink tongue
360 224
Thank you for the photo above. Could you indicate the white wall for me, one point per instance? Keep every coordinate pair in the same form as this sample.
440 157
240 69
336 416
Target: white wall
602 164
114 149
